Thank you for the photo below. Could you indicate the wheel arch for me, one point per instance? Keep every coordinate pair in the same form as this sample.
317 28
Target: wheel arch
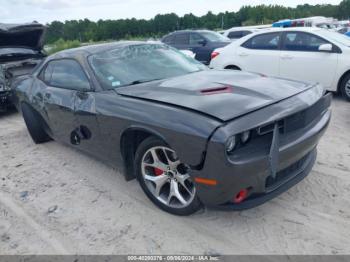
233 67
130 139
341 79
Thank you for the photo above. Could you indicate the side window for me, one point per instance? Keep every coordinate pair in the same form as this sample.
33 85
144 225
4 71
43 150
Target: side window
244 33
68 74
195 39
299 41
235 35
181 39
47 73
268 41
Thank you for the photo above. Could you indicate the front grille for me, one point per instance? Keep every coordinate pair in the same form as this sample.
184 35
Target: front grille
285 174
298 120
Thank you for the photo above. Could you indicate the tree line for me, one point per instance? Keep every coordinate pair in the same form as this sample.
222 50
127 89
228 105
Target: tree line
86 30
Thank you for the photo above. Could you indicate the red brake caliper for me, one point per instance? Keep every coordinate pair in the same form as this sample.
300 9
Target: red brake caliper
158 171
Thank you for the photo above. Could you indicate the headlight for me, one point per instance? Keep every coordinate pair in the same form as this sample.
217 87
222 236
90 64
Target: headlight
245 136
231 144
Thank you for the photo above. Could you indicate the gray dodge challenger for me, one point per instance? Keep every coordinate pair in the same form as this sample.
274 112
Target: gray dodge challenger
190 135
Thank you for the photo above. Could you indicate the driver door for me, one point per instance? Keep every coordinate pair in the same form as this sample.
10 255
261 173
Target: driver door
64 79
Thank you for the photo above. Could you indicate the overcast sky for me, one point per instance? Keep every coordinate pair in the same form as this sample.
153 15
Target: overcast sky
18 11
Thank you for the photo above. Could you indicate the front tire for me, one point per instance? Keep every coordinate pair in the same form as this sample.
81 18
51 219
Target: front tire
164 179
34 125
345 87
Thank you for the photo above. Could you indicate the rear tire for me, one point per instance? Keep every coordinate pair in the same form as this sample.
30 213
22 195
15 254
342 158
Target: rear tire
34 125
345 87
164 179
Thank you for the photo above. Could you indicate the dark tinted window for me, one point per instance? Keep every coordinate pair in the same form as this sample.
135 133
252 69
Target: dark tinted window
299 41
181 39
47 73
214 36
238 34
67 74
195 39
264 42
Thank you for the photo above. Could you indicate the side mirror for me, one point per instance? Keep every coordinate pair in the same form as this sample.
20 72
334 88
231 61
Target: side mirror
325 48
202 42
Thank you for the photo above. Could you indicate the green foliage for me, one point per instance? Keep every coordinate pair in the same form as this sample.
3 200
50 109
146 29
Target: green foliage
61 44
86 30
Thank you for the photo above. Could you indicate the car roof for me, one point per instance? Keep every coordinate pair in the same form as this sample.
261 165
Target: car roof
190 31
87 50
249 28
281 29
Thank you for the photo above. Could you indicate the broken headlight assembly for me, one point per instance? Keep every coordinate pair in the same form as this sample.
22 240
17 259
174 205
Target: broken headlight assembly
240 139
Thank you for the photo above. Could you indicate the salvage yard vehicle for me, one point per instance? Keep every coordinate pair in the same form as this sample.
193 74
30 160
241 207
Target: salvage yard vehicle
20 51
304 54
201 42
190 135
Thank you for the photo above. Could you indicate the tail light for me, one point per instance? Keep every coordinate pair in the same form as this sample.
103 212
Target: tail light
214 54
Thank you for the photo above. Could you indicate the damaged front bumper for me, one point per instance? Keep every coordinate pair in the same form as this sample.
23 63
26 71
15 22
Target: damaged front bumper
270 164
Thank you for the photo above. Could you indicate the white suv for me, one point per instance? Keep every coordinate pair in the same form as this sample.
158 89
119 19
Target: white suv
304 54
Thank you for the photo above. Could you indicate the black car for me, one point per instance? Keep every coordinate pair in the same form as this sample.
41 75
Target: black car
190 135
20 51
201 42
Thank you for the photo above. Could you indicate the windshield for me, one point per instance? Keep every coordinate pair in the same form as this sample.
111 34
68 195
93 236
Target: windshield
16 51
135 64
214 37
336 37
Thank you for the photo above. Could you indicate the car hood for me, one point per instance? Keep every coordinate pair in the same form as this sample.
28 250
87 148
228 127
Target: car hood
22 35
223 94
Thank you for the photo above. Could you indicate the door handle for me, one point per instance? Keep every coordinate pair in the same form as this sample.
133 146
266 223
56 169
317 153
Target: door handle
287 57
243 54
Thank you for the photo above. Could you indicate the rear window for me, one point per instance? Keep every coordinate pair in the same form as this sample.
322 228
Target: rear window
238 34
168 39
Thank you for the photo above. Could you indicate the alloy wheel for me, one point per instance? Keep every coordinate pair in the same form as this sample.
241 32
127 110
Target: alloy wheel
347 88
167 178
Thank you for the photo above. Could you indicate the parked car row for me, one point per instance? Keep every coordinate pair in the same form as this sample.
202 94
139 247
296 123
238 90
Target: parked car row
308 54
200 42
303 54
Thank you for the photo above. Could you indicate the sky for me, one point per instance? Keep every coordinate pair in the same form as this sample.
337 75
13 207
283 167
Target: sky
44 11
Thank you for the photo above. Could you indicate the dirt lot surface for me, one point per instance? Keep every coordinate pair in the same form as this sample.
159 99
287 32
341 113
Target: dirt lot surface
55 200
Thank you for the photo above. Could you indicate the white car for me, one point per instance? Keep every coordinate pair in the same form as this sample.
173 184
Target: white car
304 54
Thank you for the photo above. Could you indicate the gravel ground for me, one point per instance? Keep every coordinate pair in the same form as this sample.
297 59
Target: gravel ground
55 200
